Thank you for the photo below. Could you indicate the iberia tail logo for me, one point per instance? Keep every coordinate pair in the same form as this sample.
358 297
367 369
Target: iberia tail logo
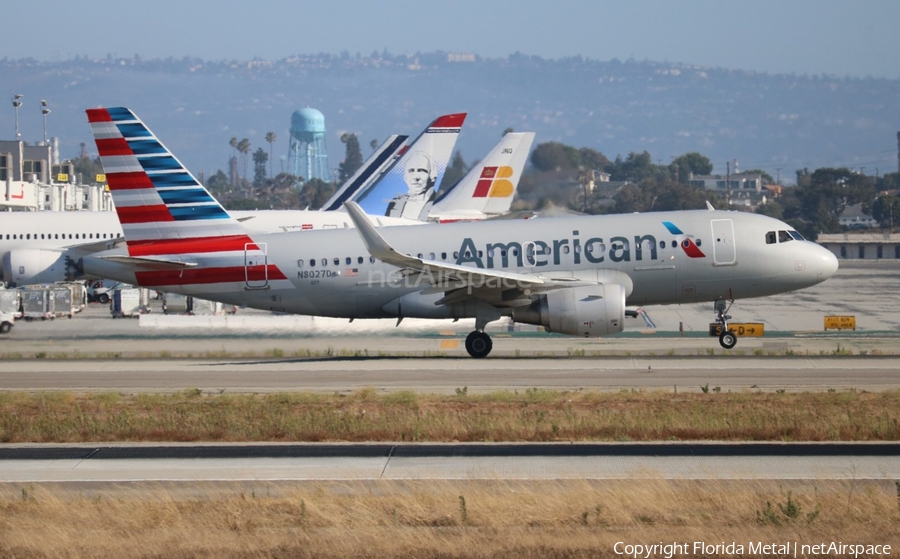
687 241
494 183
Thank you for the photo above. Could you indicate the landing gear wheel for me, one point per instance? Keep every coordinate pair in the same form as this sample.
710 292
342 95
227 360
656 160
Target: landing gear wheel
478 344
727 340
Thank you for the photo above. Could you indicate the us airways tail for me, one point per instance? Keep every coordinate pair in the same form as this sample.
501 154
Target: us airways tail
407 189
489 187
168 218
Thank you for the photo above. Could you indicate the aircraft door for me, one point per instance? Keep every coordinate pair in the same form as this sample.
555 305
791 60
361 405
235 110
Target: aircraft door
256 266
724 253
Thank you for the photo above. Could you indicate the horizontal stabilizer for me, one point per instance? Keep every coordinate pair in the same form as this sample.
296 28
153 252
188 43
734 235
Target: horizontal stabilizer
149 263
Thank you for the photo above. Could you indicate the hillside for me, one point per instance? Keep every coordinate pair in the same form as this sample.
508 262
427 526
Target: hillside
195 106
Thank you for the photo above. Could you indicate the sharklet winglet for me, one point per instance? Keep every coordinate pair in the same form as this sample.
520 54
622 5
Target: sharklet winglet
375 243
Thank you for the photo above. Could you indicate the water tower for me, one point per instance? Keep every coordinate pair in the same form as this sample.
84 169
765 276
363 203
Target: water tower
307 156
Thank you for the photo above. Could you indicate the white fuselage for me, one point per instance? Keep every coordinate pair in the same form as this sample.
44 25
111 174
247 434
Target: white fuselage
63 233
330 273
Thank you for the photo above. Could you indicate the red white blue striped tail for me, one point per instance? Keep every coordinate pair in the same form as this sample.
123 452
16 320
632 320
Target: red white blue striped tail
155 196
166 212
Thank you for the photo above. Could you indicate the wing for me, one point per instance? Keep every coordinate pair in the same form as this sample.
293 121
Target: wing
496 287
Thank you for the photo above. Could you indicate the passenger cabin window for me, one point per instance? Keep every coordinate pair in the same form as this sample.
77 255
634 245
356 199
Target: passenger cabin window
312 262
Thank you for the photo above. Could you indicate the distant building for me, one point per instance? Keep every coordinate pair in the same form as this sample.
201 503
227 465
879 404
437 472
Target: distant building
773 190
460 57
854 218
22 162
740 182
865 246
32 180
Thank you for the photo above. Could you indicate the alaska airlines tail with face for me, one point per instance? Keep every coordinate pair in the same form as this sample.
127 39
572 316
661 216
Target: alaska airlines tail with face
377 163
167 216
489 187
408 188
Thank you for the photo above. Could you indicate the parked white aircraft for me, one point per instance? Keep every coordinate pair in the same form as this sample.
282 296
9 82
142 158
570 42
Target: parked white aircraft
43 247
572 275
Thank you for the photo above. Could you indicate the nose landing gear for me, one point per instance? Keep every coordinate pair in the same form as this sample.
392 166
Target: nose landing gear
727 339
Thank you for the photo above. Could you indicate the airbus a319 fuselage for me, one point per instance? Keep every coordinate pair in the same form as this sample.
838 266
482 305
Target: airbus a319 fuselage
714 255
572 275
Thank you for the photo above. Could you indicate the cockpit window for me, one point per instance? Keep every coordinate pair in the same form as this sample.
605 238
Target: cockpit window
796 235
784 236
770 238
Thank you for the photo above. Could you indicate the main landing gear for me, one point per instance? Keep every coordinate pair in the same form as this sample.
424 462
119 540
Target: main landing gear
478 344
727 339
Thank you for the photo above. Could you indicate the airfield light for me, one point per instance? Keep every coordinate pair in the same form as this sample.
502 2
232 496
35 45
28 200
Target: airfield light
45 110
17 102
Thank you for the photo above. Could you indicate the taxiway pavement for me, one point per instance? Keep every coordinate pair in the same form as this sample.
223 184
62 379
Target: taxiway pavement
298 462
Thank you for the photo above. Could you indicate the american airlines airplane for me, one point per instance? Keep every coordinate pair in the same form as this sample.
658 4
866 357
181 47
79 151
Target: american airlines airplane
572 275
43 247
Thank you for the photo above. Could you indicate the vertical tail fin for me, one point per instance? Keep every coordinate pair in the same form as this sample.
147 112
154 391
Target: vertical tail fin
489 187
380 160
157 200
168 217
408 188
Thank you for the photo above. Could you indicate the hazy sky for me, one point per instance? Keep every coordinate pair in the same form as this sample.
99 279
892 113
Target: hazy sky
838 37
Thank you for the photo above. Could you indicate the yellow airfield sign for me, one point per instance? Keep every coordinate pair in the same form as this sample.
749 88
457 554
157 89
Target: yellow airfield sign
745 329
840 323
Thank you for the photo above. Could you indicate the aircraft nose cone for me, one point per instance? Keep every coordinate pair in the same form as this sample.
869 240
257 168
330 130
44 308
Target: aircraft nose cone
826 264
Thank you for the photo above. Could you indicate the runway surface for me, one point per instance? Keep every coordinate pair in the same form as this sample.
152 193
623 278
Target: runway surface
292 462
445 375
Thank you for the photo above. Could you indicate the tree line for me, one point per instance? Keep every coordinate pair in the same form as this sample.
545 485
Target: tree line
561 174
567 177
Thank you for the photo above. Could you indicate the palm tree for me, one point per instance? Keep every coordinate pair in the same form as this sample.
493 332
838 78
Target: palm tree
244 148
233 142
270 137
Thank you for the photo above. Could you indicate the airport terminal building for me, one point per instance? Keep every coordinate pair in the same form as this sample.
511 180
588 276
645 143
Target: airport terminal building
862 246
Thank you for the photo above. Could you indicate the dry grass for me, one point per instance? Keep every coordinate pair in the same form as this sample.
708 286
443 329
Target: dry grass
536 415
426 519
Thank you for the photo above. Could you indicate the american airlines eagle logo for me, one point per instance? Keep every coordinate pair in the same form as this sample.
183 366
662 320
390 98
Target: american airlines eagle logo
687 241
494 182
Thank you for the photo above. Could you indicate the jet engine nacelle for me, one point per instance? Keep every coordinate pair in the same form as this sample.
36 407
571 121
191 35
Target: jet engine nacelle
588 311
31 266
